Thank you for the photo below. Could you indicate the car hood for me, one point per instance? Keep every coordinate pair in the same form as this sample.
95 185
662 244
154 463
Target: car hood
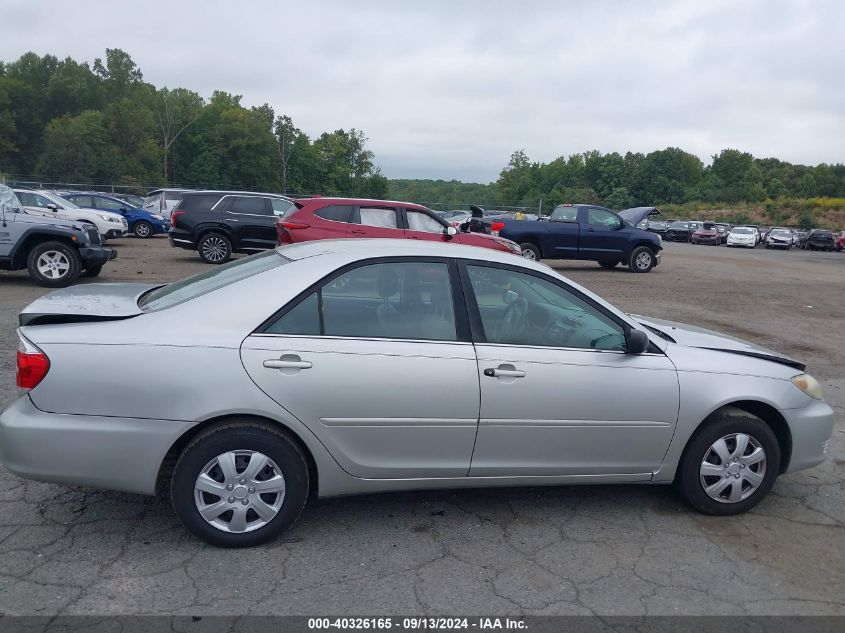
692 336
707 232
637 214
89 302
34 218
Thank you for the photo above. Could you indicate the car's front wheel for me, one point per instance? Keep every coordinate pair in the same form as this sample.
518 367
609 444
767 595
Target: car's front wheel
729 465
54 264
142 229
240 484
642 260
214 248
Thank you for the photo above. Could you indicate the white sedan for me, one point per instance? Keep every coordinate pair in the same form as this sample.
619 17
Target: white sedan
743 236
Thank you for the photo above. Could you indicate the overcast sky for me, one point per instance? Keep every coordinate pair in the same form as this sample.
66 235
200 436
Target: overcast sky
450 89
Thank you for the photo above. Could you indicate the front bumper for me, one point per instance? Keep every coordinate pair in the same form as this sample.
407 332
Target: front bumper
115 233
104 452
97 254
811 428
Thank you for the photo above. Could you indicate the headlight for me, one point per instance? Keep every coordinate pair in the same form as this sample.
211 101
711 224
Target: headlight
157 216
109 218
809 385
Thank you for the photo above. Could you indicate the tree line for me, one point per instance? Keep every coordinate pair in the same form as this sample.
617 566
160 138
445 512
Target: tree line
61 120
668 176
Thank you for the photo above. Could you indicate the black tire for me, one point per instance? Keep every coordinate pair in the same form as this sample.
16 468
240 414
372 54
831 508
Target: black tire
609 264
93 271
721 425
142 230
64 254
638 263
214 248
271 441
530 251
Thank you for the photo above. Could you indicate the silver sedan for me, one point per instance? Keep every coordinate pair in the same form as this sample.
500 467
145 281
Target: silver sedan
360 366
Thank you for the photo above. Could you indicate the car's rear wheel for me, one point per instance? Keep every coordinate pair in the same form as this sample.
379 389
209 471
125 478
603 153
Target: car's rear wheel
240 484
530 251
142 229
729 465
642 260
214 248
608 263
54 264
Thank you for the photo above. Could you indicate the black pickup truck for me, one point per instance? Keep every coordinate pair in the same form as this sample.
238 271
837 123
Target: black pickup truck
588 232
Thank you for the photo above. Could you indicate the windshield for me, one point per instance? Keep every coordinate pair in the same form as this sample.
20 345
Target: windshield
742 230
65 204
214 279
8 199
780 233
680 225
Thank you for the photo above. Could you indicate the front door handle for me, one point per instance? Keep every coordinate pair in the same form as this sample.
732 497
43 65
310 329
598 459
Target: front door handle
504 371
288 364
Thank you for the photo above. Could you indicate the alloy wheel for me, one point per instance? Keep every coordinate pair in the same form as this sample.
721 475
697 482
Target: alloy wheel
528 253
53 264
142 230
733 468
214 249
239 491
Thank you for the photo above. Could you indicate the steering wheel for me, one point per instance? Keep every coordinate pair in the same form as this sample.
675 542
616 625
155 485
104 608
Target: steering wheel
514 322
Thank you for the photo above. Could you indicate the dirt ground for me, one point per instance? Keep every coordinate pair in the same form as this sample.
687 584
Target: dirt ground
604 550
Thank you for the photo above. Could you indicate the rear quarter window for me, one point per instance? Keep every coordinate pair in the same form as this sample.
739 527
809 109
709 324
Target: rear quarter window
198 202
335 213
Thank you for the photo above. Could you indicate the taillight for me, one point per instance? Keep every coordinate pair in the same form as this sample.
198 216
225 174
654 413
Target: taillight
282 231
495 227
173 217
32 363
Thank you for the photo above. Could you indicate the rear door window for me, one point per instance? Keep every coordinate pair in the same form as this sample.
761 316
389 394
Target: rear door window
379 217
249 205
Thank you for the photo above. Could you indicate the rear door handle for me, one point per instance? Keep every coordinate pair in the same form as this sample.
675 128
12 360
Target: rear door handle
504 371
357 232
288 364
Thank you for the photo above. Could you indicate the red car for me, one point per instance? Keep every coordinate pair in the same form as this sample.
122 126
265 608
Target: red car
839 241
707 234
332 218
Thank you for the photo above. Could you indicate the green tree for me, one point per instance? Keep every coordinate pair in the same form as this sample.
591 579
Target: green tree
175 111
77 148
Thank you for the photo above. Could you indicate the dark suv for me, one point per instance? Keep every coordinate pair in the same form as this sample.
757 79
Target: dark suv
219 223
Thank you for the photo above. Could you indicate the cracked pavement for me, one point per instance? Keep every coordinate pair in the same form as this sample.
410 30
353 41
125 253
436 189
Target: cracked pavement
609 550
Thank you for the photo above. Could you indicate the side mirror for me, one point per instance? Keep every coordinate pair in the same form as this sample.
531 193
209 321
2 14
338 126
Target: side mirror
53 207
450 231
637 342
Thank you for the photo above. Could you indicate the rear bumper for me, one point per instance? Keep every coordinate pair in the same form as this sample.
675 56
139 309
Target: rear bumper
104 452
181 240
811 427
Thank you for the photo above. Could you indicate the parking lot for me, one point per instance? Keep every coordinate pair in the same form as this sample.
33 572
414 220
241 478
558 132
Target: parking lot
579 550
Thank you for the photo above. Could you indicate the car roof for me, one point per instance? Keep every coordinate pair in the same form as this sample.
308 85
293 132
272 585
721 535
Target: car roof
358 201
223 193
384 247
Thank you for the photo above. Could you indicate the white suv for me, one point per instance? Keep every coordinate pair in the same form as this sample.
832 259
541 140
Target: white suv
110 225
163 201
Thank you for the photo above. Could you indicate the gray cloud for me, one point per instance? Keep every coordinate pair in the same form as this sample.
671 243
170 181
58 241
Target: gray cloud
448 90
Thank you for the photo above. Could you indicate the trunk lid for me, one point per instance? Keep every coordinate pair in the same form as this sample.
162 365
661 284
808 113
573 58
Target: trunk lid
89 302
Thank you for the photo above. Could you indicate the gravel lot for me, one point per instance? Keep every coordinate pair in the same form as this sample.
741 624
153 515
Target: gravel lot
603 550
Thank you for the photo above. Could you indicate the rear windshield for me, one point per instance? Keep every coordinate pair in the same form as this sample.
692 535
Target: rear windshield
202 201
172 195
821 233
214 279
